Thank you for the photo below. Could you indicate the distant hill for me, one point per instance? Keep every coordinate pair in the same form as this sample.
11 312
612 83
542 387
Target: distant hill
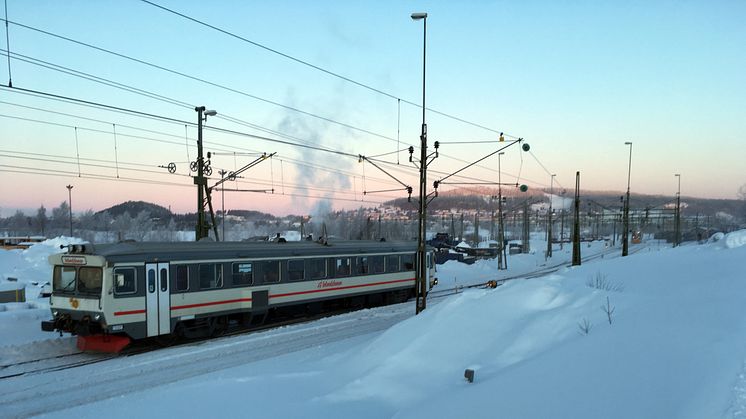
473 198
135 207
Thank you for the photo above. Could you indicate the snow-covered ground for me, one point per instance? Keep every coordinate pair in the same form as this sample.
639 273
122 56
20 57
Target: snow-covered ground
674 346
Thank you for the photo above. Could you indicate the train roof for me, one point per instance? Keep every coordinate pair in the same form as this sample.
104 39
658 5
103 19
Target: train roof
164 251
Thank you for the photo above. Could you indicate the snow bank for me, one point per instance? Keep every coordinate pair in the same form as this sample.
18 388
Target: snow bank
675 347
735 239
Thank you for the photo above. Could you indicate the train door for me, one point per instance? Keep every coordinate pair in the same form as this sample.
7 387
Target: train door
158 299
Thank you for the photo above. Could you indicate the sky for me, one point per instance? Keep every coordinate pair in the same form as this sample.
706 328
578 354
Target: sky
575 80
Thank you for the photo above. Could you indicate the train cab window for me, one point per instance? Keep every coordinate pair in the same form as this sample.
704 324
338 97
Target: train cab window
376 264
407 262
210 276
362 265
125 281
296 270
317 268
342 266
89 280
270 271
392 263
63 279
243 273
182 277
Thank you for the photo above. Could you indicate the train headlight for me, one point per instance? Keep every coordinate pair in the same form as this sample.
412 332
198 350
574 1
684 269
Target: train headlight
97 317
55 313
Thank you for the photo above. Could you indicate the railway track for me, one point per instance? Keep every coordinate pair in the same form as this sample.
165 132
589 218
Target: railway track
59 362
441 293
77 359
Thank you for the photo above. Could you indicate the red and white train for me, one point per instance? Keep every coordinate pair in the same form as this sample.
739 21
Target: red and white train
111 294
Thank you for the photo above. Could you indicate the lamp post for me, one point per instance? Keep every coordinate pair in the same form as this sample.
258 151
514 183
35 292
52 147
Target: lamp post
549 218
677 238
203 229
421 233
70 205
625 221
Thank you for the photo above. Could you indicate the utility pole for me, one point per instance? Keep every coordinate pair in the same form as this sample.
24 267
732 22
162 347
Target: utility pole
203 227
70 205
625 237
562 225
421 292
476 227
501 263
222 191
549 218
576 224
526 245
677 238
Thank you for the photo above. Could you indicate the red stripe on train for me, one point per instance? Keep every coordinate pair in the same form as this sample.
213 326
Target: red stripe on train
238 300
126 313
340 288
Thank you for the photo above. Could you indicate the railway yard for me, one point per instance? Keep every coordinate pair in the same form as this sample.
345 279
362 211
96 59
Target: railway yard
386 361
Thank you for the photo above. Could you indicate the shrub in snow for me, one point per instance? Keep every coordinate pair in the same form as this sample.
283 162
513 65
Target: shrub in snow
585 327
601 282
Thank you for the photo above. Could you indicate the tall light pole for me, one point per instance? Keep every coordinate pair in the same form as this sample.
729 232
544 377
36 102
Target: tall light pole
677 237
203 228
70 205
625 237
549 218
421 251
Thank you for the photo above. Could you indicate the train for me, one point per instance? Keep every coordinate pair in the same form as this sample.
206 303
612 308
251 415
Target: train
111 294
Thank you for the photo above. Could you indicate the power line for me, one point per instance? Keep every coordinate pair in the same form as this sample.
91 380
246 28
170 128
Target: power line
171 120
194 78
184 104
323 70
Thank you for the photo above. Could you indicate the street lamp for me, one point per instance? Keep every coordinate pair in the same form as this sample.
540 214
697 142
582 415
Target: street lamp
203 229
70 205
549 219
677 238
625 238
421 254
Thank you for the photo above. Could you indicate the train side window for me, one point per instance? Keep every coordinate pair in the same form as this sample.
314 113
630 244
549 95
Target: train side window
317 268
362 265
376 264
342 267
270 271
243 273
125 281
392 263
407 262
210 276
296 270
182 277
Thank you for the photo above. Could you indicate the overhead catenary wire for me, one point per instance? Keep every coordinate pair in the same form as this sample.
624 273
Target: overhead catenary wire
157 117
183 104
188 76
331 73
